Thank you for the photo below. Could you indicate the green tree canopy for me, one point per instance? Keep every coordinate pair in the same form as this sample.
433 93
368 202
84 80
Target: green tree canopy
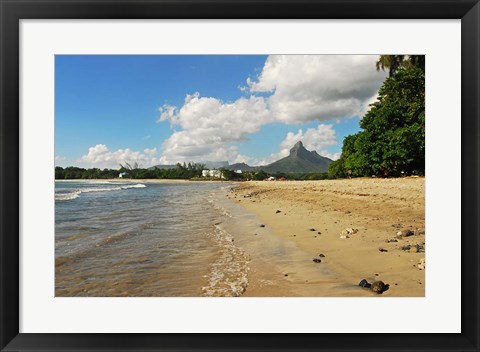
393 131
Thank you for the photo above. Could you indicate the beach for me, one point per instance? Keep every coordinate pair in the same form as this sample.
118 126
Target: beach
357 229
249 239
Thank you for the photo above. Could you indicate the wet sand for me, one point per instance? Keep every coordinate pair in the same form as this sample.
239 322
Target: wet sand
309 218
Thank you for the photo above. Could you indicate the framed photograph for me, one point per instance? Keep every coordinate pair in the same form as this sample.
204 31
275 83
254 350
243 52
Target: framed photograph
239 175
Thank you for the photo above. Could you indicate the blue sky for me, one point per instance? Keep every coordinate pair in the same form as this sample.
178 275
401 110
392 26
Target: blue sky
160 109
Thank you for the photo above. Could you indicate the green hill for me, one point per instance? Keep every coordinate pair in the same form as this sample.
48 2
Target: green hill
300 160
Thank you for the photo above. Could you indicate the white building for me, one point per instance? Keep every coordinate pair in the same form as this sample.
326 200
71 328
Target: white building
212 173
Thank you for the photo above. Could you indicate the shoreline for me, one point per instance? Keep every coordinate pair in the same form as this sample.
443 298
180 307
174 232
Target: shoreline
139 180
315 217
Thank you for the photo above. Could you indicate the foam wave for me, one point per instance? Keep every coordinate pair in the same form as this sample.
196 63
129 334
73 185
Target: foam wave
229 273
76 193
67 196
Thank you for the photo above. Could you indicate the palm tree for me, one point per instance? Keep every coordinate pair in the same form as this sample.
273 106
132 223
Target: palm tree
394 62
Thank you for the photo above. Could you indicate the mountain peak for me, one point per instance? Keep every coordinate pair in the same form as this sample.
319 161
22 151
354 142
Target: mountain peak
297 148
298 144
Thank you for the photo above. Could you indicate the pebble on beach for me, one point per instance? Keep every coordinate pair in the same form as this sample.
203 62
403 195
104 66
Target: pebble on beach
404 233
378 287
316 260
421 264
349 231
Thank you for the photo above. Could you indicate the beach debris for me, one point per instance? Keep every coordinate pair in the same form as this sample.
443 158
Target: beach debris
316 260
312 229
404 233
377 286
414 248
421 264
278 211
383 249
364 283
262 225
349 231
391 240
321 255
420 232
343 237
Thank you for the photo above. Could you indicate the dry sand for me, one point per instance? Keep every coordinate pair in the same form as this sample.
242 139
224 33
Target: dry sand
377 208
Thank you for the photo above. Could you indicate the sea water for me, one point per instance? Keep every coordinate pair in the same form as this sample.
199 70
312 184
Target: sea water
145 239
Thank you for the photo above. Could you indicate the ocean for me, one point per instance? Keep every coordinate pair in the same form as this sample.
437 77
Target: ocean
146 239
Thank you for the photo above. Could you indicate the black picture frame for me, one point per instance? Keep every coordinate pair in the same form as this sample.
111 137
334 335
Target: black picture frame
11 11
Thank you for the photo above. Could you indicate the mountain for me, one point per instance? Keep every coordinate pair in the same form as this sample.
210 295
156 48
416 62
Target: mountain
162 167
241 166
215 164
300 160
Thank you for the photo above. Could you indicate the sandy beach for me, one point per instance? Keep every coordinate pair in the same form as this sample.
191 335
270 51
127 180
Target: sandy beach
362 228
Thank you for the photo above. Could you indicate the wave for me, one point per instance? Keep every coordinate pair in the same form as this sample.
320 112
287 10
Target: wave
229 273
73 194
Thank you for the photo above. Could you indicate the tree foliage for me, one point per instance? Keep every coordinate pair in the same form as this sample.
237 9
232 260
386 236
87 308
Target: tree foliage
181 171
392 139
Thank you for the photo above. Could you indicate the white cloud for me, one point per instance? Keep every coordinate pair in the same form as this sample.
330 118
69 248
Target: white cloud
100 156
313 139
317 139
209 127
318 87
299 89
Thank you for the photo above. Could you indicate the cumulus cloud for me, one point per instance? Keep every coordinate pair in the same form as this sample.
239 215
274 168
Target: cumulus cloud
289 89
317 139
209 127
100 156
318 87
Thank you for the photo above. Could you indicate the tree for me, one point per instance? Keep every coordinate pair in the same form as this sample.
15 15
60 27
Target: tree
394 62
393 131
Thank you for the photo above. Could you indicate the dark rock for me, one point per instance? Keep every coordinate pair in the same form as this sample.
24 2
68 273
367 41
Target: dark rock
383 250
322 255
286 274
278 211
316 260
262 225
364 283
312 229
406 247
379 287
319 233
